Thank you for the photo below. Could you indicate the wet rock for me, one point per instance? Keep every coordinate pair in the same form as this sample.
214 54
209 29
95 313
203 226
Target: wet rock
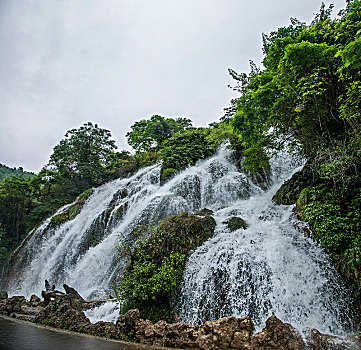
11 305
278 336
35 301
204 212
319 341
261 178
3 294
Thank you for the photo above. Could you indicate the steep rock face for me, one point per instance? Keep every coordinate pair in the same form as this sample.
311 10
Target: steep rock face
291 189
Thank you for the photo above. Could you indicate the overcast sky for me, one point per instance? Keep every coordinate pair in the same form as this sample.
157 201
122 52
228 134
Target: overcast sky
113 62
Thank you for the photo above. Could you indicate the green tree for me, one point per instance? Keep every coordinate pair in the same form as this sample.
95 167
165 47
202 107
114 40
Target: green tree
16 202
150 134
5 171
308 92
83 154
184 149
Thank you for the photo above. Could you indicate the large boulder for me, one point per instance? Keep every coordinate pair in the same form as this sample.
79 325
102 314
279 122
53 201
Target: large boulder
12 305
278 336
291 189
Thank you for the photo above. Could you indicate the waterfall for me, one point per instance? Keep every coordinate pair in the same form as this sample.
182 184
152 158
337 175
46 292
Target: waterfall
267 268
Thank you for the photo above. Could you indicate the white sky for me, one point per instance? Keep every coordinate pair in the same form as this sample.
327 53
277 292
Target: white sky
114 62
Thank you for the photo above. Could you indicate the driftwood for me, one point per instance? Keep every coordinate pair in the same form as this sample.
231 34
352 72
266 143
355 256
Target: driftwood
51 293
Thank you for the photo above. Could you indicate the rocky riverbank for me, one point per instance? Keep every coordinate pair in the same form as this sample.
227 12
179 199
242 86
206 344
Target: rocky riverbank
66 312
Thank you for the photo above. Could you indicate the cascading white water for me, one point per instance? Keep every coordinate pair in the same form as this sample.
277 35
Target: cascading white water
267 268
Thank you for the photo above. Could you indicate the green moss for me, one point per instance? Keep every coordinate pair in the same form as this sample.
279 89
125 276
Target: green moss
69 214
290 191
167 174
124 193
120 211
85 195
235 223
157 262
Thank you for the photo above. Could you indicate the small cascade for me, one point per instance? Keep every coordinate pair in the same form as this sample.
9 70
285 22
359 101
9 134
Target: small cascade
267 268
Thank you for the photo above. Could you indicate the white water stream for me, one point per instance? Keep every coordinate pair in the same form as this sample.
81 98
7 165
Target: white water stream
269 268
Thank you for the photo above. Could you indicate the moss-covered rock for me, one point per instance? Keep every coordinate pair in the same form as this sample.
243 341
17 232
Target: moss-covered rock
235 223
69 214
336 225
72 211
157 262
291 189
85 195
204 212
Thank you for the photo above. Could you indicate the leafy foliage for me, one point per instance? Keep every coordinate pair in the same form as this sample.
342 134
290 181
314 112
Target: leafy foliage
83 153
157 263
183 150
309 90
150 134
5 171
308 97
337 226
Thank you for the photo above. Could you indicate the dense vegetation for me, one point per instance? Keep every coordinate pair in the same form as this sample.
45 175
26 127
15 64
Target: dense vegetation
157 261
308 97
5 171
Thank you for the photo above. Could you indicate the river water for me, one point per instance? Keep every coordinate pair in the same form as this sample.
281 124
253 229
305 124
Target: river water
19 335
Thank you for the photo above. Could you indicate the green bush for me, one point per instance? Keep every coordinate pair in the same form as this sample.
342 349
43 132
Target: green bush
167 174
337 226
157 262
183 150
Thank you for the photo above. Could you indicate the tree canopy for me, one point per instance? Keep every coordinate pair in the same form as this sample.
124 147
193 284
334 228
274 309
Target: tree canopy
83 153
309 91
150 134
